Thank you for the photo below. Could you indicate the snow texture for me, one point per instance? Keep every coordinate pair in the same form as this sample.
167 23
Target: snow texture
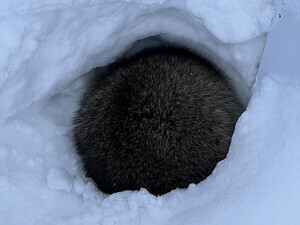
46 49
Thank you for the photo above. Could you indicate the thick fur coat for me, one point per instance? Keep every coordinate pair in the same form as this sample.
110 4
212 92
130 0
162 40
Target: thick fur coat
160 120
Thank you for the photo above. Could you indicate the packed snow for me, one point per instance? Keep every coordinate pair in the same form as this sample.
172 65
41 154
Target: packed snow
47 49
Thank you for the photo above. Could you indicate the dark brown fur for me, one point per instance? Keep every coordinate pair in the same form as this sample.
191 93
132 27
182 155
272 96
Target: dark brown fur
160 120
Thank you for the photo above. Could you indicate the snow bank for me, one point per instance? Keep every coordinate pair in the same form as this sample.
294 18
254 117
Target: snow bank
46 46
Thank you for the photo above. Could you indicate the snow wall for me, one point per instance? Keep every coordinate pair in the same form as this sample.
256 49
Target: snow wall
46 49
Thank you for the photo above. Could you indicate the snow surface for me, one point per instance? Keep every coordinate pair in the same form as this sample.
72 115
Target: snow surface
46 49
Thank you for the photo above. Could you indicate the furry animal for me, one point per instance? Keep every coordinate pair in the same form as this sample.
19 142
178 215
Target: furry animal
160 120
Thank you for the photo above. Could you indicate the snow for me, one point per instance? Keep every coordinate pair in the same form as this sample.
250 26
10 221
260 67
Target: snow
46 49
59 179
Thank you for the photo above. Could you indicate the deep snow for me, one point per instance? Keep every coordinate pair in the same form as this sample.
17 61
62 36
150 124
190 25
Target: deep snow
46 46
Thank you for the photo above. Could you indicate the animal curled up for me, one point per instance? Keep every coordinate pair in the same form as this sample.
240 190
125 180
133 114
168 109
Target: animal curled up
160 120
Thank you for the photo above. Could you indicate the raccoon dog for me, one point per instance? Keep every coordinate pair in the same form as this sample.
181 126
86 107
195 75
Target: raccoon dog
160 120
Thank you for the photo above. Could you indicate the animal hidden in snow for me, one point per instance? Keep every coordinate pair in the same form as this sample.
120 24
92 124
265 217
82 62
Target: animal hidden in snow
159 120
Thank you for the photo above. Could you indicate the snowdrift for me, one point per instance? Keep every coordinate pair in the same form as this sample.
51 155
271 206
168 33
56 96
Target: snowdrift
46 50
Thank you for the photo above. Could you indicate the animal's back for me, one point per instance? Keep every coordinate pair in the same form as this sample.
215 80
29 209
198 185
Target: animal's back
159 120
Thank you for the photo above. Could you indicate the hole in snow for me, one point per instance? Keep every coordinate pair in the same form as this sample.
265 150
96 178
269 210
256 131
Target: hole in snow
158 119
